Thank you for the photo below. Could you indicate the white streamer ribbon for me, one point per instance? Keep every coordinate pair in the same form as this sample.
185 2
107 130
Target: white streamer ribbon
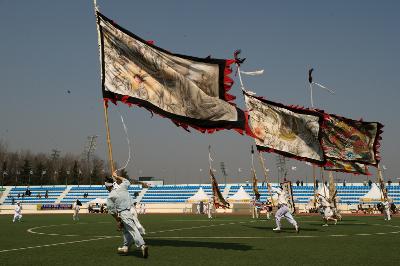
253 73
129 146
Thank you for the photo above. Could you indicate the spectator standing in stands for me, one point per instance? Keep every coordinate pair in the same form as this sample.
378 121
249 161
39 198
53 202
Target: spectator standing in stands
17 212
18 195
317 183
283 209
46 195
119 204
76 207
12 201
369 182
389 182
344 183
297 182
302 183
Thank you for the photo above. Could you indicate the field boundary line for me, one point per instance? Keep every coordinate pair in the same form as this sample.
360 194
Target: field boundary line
56 244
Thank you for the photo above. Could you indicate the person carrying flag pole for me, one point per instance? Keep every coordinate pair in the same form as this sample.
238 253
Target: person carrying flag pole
283 210
119 204
327 212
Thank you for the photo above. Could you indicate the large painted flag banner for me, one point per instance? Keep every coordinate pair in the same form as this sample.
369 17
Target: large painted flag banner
289 131
218 199
188 90
346 166
351 140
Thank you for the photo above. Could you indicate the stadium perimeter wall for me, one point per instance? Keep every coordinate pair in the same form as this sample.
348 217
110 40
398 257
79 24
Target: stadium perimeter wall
177 208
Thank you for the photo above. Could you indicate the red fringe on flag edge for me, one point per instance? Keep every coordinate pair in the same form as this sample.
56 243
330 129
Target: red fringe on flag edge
228 81
124 99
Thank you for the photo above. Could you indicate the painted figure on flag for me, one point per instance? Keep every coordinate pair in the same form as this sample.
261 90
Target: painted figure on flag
186 89
351 140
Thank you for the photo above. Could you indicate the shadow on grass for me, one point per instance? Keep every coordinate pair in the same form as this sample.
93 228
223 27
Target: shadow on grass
197 244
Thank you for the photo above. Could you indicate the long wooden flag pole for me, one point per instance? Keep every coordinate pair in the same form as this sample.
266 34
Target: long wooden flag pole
315 187
323 181
381 183
265 176
110 156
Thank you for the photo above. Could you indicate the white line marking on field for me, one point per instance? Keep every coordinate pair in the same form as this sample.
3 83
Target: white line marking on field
338 235
207 220
362 234
55 244
225 237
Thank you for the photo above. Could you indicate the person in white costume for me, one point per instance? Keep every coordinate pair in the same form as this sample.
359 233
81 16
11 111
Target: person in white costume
326 210
119 204
76 207
283 210
17 212
386 210
268 209
139 226
209 209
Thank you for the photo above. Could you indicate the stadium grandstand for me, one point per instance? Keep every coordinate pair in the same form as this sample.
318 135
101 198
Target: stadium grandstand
349 195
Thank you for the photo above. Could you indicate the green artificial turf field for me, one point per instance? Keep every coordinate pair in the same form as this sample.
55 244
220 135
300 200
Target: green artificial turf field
195 240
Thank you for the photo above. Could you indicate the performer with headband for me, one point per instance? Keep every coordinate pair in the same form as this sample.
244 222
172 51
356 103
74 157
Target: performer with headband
283 210
119 204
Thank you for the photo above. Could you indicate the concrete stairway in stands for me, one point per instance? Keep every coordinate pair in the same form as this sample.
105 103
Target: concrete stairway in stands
62 195
4 194
141 194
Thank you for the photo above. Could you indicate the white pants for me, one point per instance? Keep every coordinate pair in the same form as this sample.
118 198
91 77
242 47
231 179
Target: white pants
387 214
136 220
328 213
255 212
75 216
17 216
284 212
130 231
209 213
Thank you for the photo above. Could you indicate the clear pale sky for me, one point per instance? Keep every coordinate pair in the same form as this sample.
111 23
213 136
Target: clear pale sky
50 47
